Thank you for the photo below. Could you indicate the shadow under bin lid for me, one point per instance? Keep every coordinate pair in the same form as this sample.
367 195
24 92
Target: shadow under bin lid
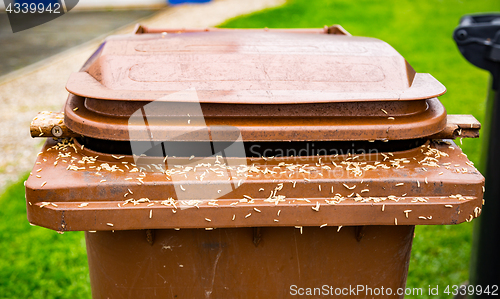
292 84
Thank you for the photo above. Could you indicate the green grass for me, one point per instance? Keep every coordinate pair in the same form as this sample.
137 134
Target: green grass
39 263
422 32
36 262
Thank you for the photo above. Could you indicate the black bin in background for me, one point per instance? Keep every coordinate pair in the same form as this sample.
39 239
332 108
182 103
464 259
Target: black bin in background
478 39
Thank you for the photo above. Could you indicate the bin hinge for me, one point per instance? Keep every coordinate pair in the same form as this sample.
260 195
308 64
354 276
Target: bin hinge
459 126
50 124
336 29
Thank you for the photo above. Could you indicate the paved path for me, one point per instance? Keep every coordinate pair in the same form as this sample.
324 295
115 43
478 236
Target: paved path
29 46
40 86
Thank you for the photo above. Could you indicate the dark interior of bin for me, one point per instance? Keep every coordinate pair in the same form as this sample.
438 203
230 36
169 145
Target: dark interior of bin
252 149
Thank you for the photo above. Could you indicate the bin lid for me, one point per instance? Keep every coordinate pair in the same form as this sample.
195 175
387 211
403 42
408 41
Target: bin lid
251 67
273 85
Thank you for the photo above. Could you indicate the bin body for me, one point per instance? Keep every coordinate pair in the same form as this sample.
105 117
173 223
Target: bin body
232 263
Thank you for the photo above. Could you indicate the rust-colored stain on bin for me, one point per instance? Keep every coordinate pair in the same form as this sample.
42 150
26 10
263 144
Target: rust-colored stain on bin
338 218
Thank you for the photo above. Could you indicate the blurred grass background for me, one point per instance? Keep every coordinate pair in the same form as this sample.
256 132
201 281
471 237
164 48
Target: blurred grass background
36 262
39 263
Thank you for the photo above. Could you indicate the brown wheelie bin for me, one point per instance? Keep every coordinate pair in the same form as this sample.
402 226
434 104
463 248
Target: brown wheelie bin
262 163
